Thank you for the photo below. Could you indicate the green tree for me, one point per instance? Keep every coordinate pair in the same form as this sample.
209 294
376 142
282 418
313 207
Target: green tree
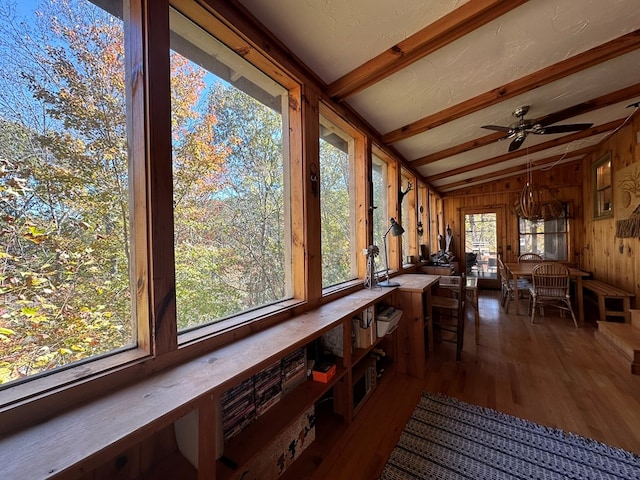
335 214
65 279
233 257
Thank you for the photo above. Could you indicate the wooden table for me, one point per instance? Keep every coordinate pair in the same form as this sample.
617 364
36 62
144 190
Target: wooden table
471 294
413 297
523 270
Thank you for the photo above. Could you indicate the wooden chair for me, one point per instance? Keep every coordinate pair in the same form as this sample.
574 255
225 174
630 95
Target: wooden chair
506 283
550 285
530 258
448 310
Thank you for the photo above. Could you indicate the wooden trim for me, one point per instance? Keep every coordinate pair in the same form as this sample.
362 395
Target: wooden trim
297 204
579 109
136 59
519 168
363 169
207 446
158 158
311 237
226 22
394 173
409 224
443 31
596 55
529 150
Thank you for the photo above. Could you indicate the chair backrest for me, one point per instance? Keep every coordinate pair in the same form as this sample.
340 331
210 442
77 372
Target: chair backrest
451 282
504 276
530 258
551 279
453 286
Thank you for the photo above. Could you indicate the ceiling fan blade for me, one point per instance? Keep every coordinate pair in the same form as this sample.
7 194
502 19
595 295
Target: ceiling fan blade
497 128
515 145
570 127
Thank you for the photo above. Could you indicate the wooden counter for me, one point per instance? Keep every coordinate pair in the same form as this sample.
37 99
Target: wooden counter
413 297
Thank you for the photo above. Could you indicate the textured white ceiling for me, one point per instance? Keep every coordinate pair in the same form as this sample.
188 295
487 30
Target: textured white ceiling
333 37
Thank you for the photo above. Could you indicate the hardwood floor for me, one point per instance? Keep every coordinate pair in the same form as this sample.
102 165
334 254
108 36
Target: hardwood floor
550 373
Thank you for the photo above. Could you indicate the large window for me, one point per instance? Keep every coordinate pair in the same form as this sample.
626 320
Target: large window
232 250
380 180
545 237
64 221
337 204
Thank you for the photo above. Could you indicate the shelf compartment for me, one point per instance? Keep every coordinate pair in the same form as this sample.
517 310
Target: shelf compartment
241 449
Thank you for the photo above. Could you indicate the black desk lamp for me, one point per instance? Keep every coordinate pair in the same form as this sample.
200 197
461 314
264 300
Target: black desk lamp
396 230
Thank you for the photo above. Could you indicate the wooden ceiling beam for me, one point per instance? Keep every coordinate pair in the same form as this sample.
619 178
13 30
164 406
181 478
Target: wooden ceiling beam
601 53
530 150
579 109
443 31
538 164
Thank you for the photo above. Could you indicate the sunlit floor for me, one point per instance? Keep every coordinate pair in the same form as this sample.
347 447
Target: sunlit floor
551 373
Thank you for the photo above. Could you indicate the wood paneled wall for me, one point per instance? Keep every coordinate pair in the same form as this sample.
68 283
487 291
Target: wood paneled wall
592 243
613 260
565 183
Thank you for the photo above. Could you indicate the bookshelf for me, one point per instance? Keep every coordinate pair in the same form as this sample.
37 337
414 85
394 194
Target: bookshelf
140 417
276 421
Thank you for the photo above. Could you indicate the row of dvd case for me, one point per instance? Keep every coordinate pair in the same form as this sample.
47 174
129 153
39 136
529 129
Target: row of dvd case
243 403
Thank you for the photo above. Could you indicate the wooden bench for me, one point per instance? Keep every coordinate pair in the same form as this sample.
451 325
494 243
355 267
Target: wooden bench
604 292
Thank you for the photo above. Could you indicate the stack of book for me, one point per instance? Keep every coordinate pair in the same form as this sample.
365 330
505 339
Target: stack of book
238 408
294 370
268 387
253 397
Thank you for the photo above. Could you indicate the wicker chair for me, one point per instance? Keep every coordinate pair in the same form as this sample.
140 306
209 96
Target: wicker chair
530 258
550 286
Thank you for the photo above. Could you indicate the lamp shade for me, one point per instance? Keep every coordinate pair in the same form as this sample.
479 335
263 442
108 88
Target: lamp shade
396 228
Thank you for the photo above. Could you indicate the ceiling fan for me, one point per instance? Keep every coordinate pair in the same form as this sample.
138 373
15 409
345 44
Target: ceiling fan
519 130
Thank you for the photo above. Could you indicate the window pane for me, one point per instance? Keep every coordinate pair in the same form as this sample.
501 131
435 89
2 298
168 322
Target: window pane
230 196
64 284
544 237
380 202
337 205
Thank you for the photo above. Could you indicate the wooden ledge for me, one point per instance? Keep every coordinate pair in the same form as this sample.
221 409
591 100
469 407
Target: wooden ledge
74 443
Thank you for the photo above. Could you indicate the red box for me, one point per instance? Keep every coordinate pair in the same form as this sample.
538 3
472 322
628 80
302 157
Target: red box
324 373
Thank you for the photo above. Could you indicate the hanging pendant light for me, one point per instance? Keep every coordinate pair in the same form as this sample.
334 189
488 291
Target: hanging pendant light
536 203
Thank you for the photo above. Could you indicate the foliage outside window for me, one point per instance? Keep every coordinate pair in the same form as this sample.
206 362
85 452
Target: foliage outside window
64 183
545 237
337 205
603 191
380 182
232 249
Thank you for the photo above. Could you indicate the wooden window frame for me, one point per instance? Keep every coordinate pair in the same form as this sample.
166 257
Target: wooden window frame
599 208
152 265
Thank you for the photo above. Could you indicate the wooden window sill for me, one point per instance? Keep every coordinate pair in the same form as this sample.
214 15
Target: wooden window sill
81 439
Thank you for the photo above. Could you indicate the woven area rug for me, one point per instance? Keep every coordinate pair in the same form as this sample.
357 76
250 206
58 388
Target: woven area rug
449 439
